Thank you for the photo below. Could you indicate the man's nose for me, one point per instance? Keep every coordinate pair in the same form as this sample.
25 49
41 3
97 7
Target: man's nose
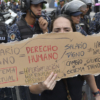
62 31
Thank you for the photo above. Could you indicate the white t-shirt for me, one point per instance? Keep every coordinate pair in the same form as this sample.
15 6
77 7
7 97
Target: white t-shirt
8 3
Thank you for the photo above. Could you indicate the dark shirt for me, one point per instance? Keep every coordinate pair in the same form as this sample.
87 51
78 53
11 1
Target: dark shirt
60 93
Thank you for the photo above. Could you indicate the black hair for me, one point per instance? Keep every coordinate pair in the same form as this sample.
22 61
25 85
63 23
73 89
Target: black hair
64 16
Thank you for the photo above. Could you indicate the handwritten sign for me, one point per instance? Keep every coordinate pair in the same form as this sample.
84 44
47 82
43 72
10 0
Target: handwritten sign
32 60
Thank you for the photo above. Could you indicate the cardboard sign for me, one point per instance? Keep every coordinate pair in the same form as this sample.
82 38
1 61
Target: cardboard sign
32 60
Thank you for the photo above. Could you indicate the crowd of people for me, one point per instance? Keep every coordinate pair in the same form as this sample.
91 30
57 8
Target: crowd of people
73 16
15 6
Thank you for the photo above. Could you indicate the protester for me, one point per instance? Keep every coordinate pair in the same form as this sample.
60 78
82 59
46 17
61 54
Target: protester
62 23
52 90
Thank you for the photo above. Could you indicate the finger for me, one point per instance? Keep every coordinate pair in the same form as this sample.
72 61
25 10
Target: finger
50 77
53 85
40 19
43 23
52 80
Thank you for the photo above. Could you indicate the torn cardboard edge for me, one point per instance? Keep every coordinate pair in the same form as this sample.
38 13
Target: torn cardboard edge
70 42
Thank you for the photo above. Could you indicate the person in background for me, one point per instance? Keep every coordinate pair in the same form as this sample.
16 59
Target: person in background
18 7
95 24
8 4
75 13
61 2
85 16
58 10
2 6
32 22
95 29
19 12
14 8
5 93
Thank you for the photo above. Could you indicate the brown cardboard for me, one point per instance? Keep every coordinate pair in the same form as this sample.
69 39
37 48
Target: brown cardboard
32 60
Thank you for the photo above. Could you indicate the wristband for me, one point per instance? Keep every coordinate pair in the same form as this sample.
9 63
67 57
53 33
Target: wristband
96 93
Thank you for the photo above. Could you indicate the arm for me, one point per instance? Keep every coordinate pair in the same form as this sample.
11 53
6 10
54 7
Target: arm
48 84
13 33
91 82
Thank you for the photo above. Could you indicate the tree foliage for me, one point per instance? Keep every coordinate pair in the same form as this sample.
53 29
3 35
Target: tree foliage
11 0
44 7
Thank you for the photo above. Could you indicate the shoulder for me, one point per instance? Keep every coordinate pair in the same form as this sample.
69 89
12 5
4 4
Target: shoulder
97 15
14 27
80 29
14 33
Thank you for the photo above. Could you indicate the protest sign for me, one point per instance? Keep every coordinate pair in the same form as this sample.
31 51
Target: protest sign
32 60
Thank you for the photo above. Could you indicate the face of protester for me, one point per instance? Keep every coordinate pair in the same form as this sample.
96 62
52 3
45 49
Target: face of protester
75 19
62 25
37 9
62 3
